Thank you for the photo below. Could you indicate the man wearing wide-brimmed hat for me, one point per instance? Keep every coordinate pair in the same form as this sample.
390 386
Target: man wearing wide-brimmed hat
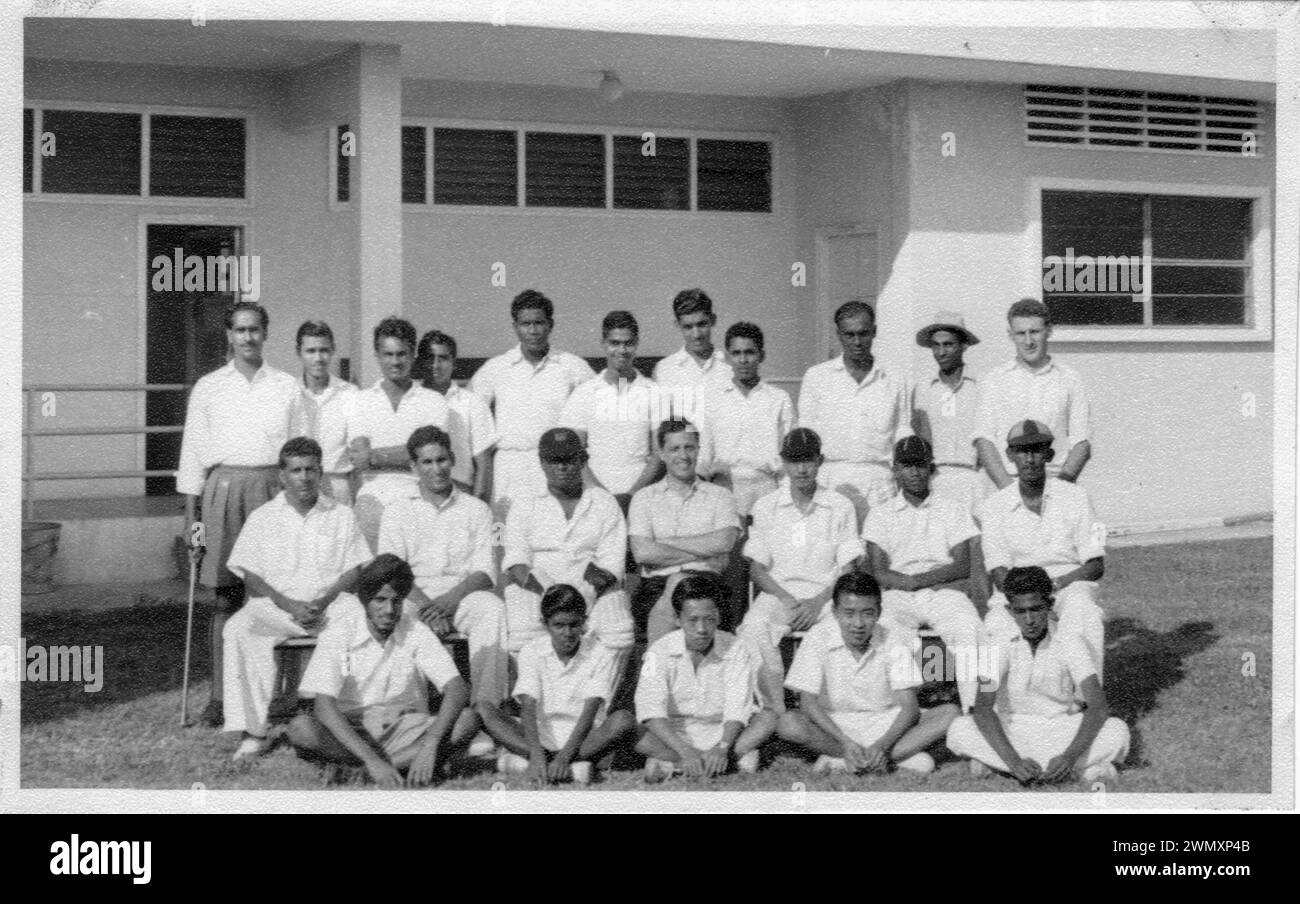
943 409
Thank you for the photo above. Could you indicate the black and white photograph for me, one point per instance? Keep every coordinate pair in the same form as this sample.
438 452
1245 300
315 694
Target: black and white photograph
522 406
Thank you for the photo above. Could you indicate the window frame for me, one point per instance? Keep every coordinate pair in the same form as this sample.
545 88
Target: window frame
1259 259
145 112
607 132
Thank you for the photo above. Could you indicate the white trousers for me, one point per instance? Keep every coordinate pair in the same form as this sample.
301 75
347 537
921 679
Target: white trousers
481 619
1077 614
515 472
375 494
764 626
952 482
609 618
864 484
1041 739
338 487
950 613
866 728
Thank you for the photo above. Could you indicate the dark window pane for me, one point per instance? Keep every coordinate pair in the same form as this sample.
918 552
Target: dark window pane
1200 228
1198 280
1095 241
196 157
733 175
343 167
1175 310
1096 210
661 181
475 166
95 153
1094 310
413 157
562 169
28 126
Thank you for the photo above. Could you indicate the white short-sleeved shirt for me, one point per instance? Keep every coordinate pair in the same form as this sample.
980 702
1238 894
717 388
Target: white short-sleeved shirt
918 538
372 415
804 551
1044 682
616 419
558 550
1062 538
945 416
526 400
471 428
562 689
741 434
1052 395
442 544
324 419
682 380
659 512
299 556
720 689
359 672
824 665
857 422
231 420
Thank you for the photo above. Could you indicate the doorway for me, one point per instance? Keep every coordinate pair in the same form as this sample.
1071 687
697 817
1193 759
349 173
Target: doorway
185 336
848 263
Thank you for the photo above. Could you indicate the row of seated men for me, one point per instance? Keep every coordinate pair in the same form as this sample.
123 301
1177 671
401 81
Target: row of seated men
303 557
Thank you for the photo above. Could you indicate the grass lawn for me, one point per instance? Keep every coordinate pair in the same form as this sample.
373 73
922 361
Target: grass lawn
1183 623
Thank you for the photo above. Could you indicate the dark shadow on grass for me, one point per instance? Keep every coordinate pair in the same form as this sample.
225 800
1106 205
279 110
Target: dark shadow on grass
1143 663
144 653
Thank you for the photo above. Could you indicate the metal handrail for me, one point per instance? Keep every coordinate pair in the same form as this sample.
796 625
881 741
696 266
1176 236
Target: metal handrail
30 475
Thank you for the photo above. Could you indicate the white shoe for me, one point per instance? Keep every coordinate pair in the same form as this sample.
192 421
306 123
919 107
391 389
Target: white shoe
979 770
1105 773
482 746
657 770
921 763
251 748
511 763
581 772
748 763
827 764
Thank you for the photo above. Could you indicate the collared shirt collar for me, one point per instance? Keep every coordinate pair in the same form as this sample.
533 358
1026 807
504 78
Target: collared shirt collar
874 643
360 635
335 383
516 355
682 357
818 498
323 503
664 486
1048 487
260 374
898 502
1043 644
872 375
730 386
965 378
677 647
637 377
1015 363
452 498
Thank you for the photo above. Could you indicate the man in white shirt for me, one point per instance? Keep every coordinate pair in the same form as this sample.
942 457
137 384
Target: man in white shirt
369 676
1028 721
1032 386
943 409
326 400
237 419
681 374
804 536
613 412
858 410
446 537
1041 520
527 388
295 555
381 420
566 533
470 425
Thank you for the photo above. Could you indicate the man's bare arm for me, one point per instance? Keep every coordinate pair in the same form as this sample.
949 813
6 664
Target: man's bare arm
991 461
1080 452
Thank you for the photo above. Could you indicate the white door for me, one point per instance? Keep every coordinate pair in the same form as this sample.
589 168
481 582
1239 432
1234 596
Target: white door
848 268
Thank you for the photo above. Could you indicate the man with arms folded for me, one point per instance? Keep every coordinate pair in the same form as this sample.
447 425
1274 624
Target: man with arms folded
858 409
369 677
326 400
696 697
527 388
683 373
678 526
918 550
1045 521
857 680
445 535
469 420
1032 386
1027 721
804 537
295 555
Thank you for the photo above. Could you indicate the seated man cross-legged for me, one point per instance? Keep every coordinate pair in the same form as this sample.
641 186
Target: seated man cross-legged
697 694
565 681
856 679
368 676
1027 720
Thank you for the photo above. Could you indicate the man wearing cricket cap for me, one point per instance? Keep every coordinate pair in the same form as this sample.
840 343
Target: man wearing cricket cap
1048 522
943 409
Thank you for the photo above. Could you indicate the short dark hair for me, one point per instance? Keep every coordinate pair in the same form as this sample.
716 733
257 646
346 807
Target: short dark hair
743 330
530 299
1030 307
693 301
675 425
702 586
853 308
423 436
317 328
619 320
1027 579
233 309
300 446
432 338
561 598
395 328
857 583
385 568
